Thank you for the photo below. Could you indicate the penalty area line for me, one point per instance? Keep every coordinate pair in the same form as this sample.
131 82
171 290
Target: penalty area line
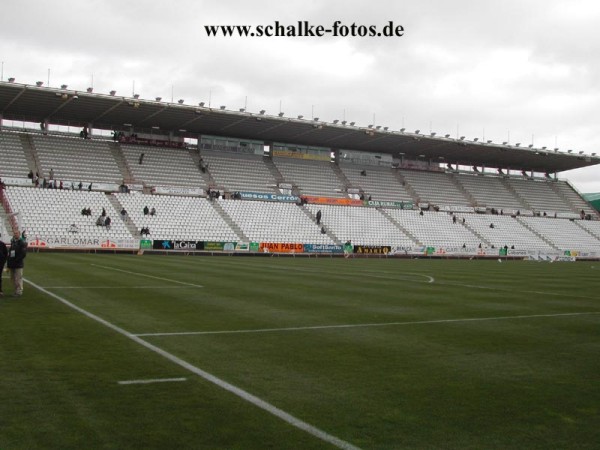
157 380
147 276
366 325
239 392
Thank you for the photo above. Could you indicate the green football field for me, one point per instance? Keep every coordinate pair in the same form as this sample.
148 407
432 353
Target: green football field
183 352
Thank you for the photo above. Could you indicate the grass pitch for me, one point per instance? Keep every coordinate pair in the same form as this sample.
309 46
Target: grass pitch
381 354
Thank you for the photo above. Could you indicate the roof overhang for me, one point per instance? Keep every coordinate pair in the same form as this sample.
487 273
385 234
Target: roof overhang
36 104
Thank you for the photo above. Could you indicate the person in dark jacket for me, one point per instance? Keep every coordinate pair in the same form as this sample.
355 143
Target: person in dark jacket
16 262
3 256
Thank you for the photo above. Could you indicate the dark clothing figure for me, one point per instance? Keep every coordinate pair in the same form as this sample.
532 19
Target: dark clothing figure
453 219
153 211
107 221
103 212
16 262
141 159
318 217
3 258
146 210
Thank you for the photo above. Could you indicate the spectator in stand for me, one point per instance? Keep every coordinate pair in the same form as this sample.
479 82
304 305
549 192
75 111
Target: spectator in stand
146 210
80 185
3 257
100 221
141 160
107 222
61 185
51 175
124 214
103 214
453 219
90 187
318 217
30 175
153 211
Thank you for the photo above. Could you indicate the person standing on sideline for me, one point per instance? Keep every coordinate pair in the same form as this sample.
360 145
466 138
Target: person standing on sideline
3 256
16 257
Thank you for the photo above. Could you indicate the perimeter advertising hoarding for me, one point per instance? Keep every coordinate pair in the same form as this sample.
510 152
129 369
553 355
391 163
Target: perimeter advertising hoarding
388 204
268 197
332 201
281 247
323 248
219 246
372 249
301 155
83 242
177 245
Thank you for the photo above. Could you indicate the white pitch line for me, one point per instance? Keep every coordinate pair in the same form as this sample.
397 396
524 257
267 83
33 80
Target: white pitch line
158 380
254 400
148 276
364 325
117 287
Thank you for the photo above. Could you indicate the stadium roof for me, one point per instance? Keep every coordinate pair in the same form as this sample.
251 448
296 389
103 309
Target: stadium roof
30 103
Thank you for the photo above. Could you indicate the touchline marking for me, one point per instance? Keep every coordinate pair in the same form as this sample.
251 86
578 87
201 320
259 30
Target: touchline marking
256 401
158 380
118 287
148 276
365 325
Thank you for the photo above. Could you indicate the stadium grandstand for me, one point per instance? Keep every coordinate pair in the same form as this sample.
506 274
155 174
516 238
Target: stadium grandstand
172 176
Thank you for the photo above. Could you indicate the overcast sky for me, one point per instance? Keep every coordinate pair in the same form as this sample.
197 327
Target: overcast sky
519 70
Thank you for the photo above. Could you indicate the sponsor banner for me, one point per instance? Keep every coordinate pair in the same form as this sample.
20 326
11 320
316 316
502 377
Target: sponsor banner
102 187
300 155
420 165
281 247
372 249
512 252
323 248
456 250
268 197
461 209
17 181
242 247
388 204
565 259
145 244
254 246
135 187
219 246
170 190
163 244
82 242
188 245
332 201
407 250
